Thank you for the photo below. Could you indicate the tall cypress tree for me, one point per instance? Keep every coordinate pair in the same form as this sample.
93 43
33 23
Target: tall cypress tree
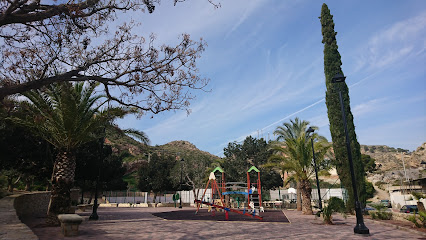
332 66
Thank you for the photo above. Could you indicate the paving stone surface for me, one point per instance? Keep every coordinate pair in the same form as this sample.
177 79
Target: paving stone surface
11 228
140 223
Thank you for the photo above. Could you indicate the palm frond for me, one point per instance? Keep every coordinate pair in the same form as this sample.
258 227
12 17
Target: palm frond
63 114
293 151
137 134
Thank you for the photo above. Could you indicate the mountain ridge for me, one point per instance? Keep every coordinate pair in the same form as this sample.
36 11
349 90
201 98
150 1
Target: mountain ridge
387 158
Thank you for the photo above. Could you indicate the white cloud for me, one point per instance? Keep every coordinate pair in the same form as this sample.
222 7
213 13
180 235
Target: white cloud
269 127
394 43
320 121
250 7
367 107
198 18
280 83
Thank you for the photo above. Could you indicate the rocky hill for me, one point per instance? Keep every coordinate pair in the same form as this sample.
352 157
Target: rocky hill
182 148
123 144
389 158
135 153
419 155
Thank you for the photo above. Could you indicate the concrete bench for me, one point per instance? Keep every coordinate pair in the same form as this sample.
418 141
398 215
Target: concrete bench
278 204
69 224
83 207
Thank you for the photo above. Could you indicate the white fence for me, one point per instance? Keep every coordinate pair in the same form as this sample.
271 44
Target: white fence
144 197
326 194
188 196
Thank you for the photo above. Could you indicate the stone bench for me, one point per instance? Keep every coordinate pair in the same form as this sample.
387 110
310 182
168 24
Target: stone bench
83 207
69 224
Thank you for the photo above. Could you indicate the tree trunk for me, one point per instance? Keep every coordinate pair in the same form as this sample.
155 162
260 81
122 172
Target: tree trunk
90 197
420 206
27 186
195 193
82 196
62 182
28 183
306 190
10 184
155 197
299 197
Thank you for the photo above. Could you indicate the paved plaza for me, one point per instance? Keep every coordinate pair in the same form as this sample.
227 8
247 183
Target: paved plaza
139 223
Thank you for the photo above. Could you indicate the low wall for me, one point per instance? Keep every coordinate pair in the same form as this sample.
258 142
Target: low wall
33 204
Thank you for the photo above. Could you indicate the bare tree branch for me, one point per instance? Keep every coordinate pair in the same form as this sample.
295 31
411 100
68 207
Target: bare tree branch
43 44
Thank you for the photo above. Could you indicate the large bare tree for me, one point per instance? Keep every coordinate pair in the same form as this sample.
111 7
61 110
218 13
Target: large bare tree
43 42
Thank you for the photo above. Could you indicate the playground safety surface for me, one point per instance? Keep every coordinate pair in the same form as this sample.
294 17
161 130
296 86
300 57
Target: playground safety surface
204 215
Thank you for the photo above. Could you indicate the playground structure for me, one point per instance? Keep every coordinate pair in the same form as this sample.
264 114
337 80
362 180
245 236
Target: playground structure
221 193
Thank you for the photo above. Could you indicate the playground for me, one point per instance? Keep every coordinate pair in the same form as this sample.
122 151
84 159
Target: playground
243 198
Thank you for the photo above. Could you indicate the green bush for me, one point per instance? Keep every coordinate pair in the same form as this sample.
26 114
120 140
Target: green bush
326 214
419 221
3 186
379 206
380 184
3 181
417 195
380 213
369 189
334 205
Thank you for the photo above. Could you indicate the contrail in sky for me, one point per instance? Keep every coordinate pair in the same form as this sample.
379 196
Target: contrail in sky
299 111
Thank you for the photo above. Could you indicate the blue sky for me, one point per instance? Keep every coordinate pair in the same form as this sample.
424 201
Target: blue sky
265 64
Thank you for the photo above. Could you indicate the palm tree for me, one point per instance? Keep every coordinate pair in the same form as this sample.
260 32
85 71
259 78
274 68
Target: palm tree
67 116
294 129
294 155
64 115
